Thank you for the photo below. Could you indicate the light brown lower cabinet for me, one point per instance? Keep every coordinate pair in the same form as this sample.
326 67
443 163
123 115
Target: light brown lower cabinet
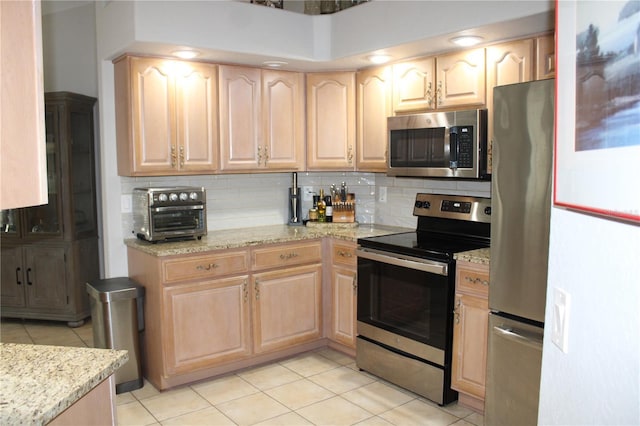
287 307
211 313
206 323
344 289
471 317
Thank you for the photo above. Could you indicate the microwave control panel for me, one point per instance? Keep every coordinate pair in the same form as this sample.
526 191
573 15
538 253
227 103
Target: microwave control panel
465 145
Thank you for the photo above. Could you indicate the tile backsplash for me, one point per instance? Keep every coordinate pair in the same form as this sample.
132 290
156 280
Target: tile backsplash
245 200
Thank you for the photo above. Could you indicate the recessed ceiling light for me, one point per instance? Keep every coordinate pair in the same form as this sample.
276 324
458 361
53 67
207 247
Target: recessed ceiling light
466 40
185 53
275 64
379 59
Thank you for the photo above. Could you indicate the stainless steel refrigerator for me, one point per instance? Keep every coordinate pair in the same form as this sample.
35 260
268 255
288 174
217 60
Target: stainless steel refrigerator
523 127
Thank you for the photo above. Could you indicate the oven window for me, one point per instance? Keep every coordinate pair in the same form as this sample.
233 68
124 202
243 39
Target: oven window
419 148
177 220
408 302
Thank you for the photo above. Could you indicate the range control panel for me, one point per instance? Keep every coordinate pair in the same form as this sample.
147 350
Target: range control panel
477 209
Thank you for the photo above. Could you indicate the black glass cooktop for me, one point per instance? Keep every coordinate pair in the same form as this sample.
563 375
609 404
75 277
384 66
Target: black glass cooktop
424 244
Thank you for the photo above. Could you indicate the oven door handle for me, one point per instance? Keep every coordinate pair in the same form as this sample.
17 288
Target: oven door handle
177 208
425 265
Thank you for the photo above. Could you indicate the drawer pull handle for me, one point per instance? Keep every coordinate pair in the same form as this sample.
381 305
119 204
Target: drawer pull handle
476 280
288 256
208 267
345 253
456 313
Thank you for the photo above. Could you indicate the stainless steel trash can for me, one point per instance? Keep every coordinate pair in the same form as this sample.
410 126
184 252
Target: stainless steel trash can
118 319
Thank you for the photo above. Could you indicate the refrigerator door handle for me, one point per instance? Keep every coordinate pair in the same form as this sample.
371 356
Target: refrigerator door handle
521 336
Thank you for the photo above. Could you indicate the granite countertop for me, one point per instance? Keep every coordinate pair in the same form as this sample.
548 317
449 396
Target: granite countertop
38 382
481 256
244 237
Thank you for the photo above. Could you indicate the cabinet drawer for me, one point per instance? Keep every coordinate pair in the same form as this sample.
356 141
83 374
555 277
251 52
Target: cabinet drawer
473 279
285 255
344 254
205 266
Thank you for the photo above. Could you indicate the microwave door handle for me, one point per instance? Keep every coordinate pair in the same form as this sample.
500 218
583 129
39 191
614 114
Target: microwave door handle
454 148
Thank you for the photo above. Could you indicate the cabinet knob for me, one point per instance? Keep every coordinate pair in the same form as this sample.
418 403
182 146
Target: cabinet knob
429 94
182 156
256 287
439 94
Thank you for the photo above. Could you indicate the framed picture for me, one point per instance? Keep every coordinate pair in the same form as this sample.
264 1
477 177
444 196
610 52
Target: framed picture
597 149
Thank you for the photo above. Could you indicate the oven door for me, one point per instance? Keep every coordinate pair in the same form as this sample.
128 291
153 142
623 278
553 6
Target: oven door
405 303
177 221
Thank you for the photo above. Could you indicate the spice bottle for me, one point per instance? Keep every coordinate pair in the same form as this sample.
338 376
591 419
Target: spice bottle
322 208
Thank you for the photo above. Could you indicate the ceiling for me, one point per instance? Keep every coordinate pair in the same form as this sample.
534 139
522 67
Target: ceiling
341 41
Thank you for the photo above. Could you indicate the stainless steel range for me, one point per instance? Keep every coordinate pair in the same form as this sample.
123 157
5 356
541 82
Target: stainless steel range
406 285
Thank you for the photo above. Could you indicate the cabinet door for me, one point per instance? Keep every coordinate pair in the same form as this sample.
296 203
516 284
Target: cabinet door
152 115
197 117
461 79
207 323
413 86
21 106
470 345
240 112
507 63
331 121
287 307
343 307
283 120
12 276
373 107
545 57
46 277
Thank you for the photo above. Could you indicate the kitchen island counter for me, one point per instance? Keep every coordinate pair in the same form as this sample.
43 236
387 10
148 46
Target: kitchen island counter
244 237
39 382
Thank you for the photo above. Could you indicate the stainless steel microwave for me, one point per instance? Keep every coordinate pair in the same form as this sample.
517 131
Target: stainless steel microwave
450 144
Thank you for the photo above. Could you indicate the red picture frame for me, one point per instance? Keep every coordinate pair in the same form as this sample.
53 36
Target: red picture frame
597 146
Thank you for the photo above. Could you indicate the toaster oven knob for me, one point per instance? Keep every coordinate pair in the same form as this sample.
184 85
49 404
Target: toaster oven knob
163 197
193 196
183 196
173 196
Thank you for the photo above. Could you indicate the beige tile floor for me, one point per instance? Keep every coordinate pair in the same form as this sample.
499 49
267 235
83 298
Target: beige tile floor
322 387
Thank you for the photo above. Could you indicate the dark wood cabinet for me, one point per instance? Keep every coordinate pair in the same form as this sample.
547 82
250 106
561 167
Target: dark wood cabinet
49 252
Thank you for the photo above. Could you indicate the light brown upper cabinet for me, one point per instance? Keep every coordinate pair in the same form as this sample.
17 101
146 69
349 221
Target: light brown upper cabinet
261 120
546 57
166 116
23 167
413 85
460 79
446 81
507 63
331 118
373 93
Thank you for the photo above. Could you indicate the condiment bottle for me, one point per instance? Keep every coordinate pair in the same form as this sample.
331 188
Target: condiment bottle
313 215
322 208
328 208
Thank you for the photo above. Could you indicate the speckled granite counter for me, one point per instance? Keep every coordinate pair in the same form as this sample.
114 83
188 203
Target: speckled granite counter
481 256
233 238
39 382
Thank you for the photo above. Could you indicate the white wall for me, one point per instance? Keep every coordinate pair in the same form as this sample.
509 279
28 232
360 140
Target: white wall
597 261
69 48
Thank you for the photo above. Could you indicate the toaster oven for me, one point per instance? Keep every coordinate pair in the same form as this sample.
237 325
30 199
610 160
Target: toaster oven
171 213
